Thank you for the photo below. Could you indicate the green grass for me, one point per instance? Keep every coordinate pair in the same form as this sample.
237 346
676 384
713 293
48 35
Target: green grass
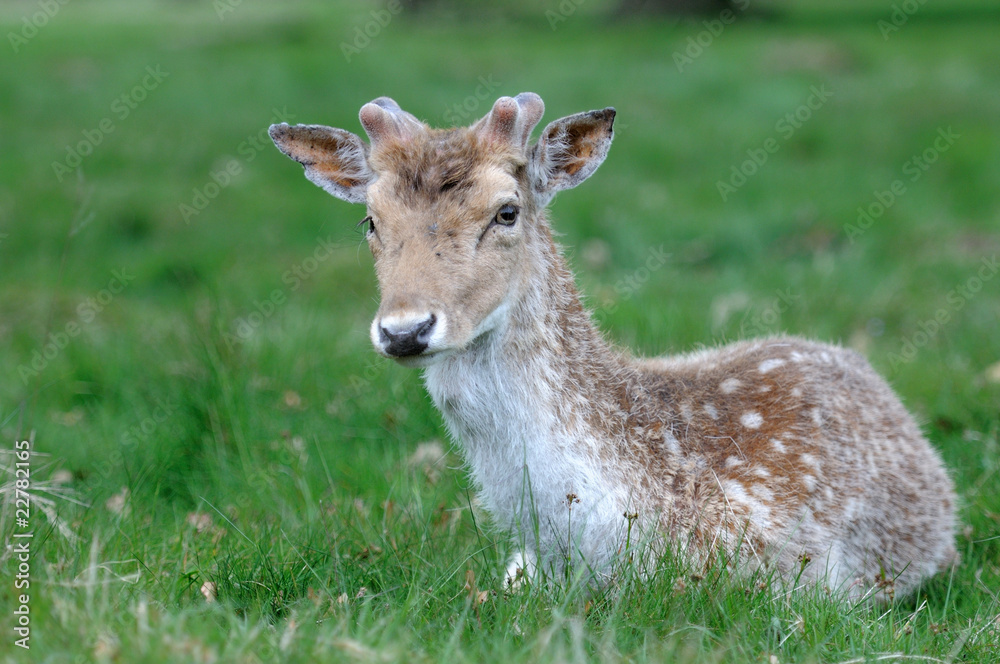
271 458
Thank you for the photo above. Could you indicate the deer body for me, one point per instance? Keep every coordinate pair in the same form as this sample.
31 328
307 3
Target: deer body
775 451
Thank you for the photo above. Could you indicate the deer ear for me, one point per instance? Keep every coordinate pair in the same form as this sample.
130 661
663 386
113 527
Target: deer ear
570 150
334 159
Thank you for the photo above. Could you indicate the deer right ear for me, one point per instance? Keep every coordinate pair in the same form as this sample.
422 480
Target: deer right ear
570 150
334 159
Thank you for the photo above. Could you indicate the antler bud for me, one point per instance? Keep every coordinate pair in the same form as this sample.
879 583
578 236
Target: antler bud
511 119
383 118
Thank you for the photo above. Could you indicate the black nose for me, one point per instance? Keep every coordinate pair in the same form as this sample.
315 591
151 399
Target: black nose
411 341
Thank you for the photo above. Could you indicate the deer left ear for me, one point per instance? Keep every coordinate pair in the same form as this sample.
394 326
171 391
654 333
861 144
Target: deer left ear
334 159
570 150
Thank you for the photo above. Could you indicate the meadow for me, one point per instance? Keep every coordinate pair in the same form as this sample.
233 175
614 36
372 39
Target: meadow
223 470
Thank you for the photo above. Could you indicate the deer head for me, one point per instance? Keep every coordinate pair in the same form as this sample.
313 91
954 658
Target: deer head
456 219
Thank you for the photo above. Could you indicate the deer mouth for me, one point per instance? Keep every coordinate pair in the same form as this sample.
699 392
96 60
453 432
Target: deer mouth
413 340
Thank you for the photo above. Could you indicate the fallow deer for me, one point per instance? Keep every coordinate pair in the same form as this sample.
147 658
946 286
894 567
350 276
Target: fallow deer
773 451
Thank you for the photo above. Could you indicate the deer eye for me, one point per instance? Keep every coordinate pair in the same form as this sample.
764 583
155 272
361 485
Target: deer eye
369 225
506 215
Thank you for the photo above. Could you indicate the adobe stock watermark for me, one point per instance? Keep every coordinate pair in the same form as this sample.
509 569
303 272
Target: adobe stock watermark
20 547
462 111
121 108
956 299
287 454
913 168
357 385
86 312
223 7
697 44
562 12
248 149
765 322
785 128
901 13
367 32
139 433
31 25
244 327
627 287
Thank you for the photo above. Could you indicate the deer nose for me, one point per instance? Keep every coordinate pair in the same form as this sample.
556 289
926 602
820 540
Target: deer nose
403 337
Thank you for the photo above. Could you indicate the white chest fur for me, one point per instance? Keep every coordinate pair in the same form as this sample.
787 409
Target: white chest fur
526 461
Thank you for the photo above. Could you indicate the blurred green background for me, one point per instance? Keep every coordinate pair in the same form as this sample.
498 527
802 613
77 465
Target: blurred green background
184 318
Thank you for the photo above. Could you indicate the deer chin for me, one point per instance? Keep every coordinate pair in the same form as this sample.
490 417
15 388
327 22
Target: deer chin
425 359
495 321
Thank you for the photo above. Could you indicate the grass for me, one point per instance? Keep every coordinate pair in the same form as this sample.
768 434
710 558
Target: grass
221 428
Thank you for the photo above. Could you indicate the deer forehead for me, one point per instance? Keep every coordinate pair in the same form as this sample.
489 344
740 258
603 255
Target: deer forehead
439 160
404 199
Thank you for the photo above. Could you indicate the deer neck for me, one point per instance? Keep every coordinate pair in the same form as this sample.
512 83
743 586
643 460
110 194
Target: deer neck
544 352
521 400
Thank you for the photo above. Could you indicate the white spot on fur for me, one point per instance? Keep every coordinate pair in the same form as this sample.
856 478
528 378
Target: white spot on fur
760 515
809 482
711 411
762 492
817 416
762 472
730 385
733 461
778 446
809 460
768 365
751 419
673 445
736 494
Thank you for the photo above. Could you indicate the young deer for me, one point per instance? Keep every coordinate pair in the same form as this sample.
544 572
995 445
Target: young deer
774 451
